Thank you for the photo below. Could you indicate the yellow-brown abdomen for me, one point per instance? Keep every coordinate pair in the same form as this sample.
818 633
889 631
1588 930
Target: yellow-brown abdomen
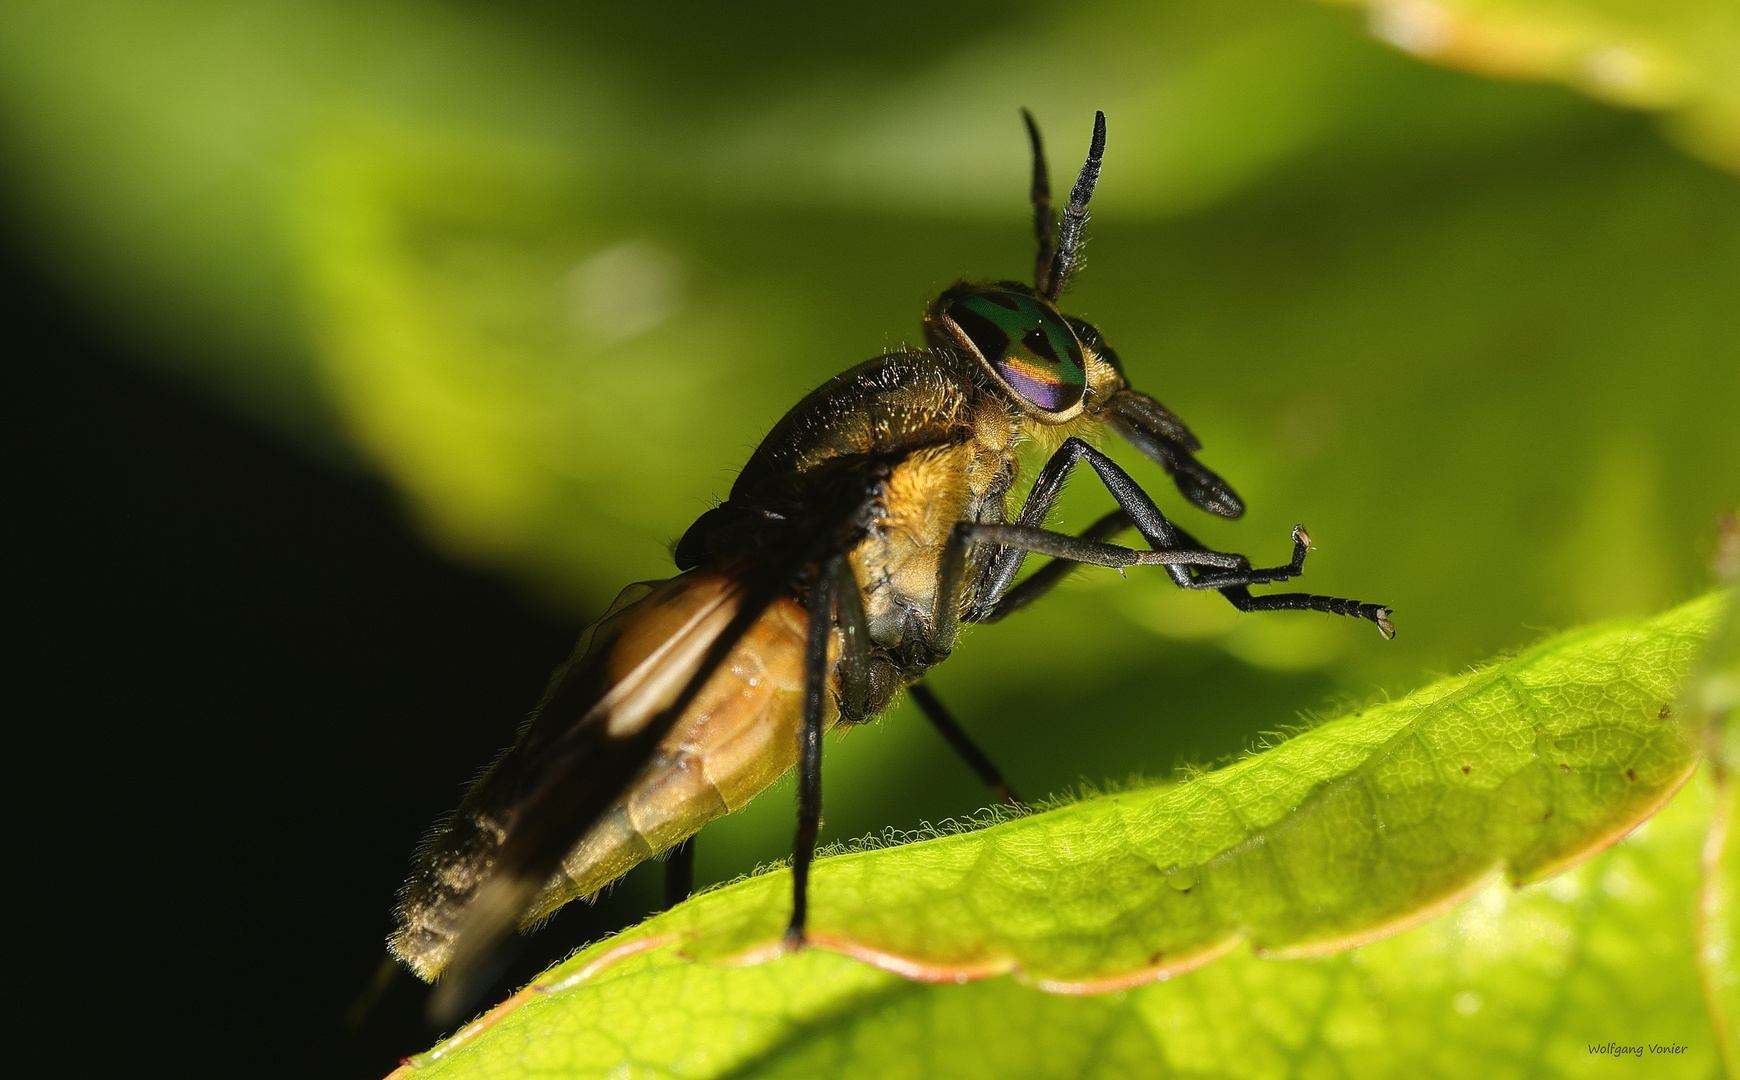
736 738
739 736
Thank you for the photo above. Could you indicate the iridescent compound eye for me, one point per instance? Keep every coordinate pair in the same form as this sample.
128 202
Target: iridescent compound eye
1028 345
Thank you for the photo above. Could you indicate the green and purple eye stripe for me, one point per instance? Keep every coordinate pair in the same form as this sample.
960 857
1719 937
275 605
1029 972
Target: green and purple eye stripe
1027 344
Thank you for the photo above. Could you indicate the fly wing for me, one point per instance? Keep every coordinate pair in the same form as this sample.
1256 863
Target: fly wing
631 677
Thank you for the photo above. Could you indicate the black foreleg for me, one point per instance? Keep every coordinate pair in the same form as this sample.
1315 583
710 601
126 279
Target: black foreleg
1239 596
1051 575
1138 508
951 577
994 597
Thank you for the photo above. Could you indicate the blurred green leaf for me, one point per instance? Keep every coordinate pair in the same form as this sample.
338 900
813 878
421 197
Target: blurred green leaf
1339 836
457 290
1677 56
1447 323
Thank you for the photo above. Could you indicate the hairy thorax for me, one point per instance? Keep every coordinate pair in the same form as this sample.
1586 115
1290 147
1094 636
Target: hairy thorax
924 438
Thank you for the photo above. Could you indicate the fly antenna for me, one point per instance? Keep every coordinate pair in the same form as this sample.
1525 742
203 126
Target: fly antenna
1044 225
1075 215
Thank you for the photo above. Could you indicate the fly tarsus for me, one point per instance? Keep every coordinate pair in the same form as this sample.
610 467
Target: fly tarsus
1241 598
1249 575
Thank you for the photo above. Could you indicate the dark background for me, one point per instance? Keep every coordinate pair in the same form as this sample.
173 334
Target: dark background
241 690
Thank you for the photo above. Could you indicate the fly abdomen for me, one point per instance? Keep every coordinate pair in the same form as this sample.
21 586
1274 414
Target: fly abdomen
739 736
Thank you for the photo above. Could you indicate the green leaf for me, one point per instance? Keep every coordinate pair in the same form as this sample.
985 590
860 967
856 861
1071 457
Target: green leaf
1341 836
1677 56
158 149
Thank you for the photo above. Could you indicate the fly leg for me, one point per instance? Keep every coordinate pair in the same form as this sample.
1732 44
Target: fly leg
1067 551
854 666
1232 581
1049 576
963 744
1135 506
1238 594
951 578
854 683
809 765
1241 598
680 873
